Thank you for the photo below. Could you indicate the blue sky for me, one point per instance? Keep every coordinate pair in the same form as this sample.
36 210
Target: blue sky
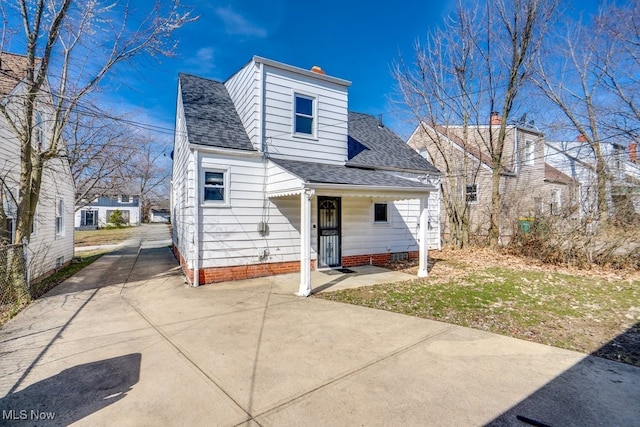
353 40
350 39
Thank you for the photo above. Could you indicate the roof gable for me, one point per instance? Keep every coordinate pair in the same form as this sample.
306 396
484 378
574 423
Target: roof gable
13 69
373 146
210 114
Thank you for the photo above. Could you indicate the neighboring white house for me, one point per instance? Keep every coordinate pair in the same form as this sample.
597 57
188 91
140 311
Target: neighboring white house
160 216
96 214
51 242
272 174
576 159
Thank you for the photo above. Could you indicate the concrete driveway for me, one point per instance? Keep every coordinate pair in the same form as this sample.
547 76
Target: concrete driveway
126 342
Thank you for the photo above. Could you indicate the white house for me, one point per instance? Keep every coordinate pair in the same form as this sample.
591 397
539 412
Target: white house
51 241
272 174
96 213
576 159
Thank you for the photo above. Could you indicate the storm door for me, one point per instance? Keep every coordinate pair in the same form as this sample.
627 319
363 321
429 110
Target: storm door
329 250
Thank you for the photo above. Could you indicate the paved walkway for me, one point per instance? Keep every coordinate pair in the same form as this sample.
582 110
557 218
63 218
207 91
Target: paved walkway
126 342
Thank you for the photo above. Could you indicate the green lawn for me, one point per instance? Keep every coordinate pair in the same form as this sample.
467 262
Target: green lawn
577 310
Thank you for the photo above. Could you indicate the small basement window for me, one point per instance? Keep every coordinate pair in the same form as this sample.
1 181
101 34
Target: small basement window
380 212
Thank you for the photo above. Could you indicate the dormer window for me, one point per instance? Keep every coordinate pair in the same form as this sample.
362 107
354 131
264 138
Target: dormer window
304 115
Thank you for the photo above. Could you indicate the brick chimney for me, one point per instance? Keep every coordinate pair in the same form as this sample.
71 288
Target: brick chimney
495 118
317 69
633 152
581 138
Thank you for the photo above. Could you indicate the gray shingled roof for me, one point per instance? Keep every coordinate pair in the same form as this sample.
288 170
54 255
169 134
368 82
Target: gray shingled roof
312 172
374 146
210 114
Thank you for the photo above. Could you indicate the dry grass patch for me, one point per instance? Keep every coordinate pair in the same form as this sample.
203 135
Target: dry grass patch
591 311
104 236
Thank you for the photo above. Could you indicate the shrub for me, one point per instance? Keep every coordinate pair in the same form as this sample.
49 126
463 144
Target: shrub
116 218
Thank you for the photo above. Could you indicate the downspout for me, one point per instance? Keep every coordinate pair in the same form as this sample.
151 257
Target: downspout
262 89
196 219
516 154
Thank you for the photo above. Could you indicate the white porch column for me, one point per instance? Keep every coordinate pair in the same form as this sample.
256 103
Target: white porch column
423 235
305 243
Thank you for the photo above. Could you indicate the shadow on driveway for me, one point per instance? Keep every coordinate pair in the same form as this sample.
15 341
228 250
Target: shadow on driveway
581 394
72 394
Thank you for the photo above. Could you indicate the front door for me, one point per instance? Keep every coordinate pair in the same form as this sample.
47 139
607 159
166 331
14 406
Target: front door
329 214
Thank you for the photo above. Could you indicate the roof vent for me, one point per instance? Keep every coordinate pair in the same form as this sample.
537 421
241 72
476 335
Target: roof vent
317 69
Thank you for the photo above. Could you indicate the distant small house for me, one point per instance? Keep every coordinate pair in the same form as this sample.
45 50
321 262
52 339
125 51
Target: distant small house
576 159
160 216
97 213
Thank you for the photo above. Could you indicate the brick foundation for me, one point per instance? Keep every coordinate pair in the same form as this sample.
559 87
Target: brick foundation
372 259
240 272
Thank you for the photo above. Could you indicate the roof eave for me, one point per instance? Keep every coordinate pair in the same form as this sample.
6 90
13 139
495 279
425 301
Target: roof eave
298 70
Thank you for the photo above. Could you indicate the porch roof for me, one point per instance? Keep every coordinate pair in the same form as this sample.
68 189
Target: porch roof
323 173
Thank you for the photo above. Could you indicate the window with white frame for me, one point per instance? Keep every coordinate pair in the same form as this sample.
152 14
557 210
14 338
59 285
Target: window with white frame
59 217
215 186
39 131
124 198
471 193
529 151
556 201
380 212
304 114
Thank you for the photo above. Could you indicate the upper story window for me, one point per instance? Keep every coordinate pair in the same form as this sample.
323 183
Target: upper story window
529 151
304 114
124 198
38 131
471 193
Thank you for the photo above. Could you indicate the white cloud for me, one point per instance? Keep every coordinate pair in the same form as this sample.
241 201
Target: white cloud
203 62
236 24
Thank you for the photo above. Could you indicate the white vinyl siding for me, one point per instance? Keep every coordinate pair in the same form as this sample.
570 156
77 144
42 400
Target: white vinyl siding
231 236
243 88
361 236
182 189
329 143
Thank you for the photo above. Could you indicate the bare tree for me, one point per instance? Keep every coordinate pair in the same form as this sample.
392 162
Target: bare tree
147 175
71 47
594 81
437 88
98 150
478 64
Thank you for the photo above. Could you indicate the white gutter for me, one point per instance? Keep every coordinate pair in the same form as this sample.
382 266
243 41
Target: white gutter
224 151
196 219
367 188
